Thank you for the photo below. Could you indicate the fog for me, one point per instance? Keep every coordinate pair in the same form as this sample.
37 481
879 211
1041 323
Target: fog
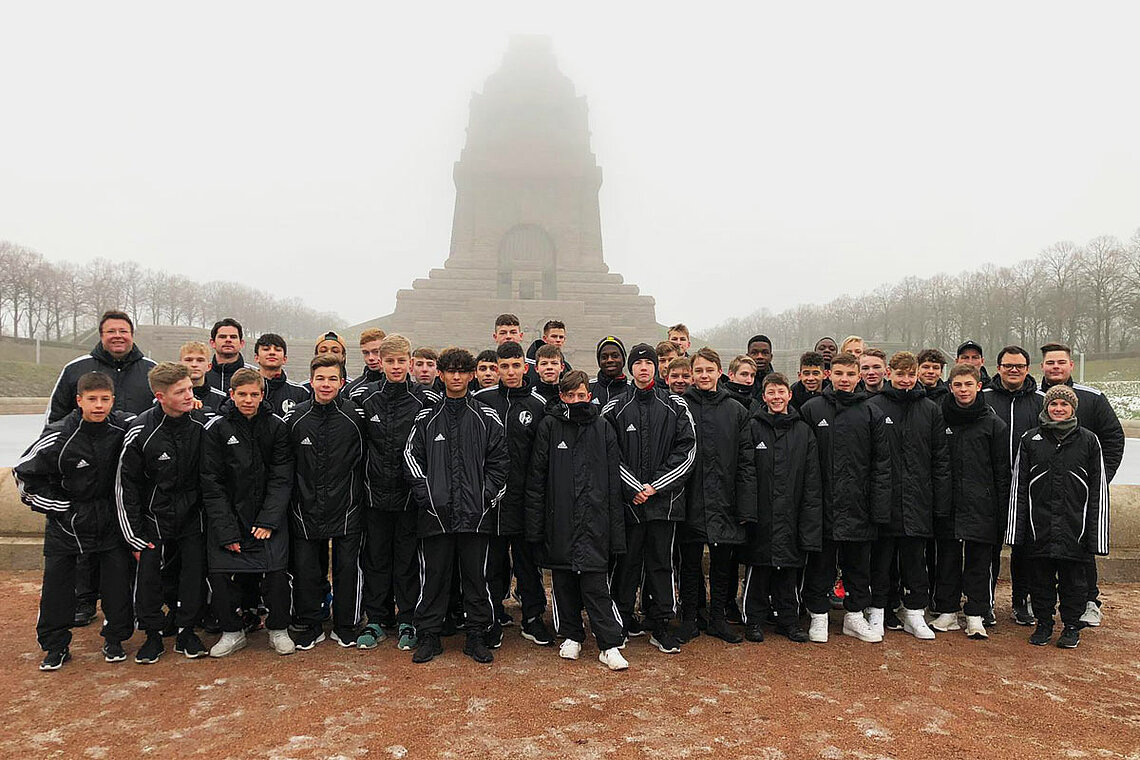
752 155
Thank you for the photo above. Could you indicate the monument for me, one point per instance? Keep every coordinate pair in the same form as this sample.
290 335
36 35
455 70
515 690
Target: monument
526 236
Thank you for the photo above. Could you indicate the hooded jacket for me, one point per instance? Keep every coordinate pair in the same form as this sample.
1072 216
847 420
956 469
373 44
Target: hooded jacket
520 410
456 461
282 394
658 443
68 474
789 498
854 464
574 507
801 395
721 492
327 442
1059 504
919 459
218 375
1017 409
1095 414
132 389
603 389
979 493
936 392
158 490
742 394
247 479
389 411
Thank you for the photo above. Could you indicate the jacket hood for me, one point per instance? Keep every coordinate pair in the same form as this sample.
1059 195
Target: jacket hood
699 396
904 397
844 398
760 412
582 413
954 414
103 355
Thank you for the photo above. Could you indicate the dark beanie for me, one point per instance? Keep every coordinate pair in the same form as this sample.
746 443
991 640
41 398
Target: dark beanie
643 351
609 340
758 337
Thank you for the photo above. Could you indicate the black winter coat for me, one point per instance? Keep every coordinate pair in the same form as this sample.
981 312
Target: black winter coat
936 392
327 442
979 495
789 495
721 493
801 395
1059 497
389 411
854 464
212 399
218 375
68 474
282 394
158 489
603 389
574 507
247 479
132 389
354 388
1095 414
658 442
520 410
919 459
457 462
742 394
1017 409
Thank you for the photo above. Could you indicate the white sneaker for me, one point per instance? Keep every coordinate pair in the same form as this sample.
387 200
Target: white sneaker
875 618
1092 615
229 643
947 621
854 624
570 650
613 660
282 642
817 629
975 628
914 623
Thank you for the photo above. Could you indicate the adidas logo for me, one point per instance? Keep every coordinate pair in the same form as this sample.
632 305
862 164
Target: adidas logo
233 441
631 428
375 418
822 423
761 445
440 437
562 445
1036 437
306 442
889 421
164 457
82 463
949 431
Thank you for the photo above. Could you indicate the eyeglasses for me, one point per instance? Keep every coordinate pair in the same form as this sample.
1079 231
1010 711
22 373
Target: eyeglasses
1013 367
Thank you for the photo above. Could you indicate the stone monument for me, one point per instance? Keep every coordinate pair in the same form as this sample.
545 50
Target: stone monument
526 236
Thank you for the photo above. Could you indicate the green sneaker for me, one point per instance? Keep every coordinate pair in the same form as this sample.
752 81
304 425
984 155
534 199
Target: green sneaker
408 640
370 637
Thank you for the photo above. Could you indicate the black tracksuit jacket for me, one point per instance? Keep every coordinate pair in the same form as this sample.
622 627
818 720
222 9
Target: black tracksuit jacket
979 493
520 410
389 411
132 389
328 446
282 394
212 399
218 375
602 388
1095 414
1017 409
801 395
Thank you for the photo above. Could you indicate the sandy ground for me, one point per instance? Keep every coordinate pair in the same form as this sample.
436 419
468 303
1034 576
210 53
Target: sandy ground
845 699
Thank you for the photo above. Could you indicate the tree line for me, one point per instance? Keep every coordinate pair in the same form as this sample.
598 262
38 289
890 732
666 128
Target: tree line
63 301
1087 296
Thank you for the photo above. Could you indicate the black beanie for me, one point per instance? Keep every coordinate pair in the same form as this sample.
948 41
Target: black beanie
755 338
643 351
607 341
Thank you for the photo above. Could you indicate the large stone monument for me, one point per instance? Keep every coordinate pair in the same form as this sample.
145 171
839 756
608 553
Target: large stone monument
526 236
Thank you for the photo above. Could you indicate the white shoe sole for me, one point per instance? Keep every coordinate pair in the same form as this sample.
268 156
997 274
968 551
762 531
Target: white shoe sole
653 640
229 650
316 641
349 644
569 655
870 637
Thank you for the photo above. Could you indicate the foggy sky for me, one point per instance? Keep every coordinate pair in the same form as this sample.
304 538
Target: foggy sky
751 156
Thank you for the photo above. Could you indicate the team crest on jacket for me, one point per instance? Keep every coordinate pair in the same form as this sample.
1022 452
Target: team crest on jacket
525 417
287 405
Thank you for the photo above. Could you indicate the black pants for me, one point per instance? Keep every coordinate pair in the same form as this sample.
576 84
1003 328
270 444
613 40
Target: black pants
964 567
528 574
722 563
1020 575
911 554
391 572
86 579
189 553
573 592
1093 583
648 557
854 561
438 556
274 588
58 597
1051 579
309 582
767 588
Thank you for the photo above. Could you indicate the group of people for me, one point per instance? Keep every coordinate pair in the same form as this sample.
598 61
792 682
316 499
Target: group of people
213 495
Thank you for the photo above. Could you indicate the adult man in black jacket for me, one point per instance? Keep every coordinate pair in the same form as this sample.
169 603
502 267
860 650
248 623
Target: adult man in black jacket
457 462
658 447
159 500
227 338
68 474
520 408
391 571
611 380
855 472
247 479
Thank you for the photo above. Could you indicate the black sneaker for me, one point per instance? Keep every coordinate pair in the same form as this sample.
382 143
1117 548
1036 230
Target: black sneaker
633 627
84 614
189 645
720 629
664 640
1069 637
169 627
754 632
476 647
1021 614
113 651
54 660
151 649
1042 635
891 620
732 614
794 632
308 637
702 620
449 627
989 620
687 631
428 648
535 630
505 619
493 638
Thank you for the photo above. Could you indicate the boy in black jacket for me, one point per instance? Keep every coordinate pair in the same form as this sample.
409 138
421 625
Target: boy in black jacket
1059 511
979 490
812 378
68 474
457 462
658 447
574 517
611 381
159 499
326 437
247 477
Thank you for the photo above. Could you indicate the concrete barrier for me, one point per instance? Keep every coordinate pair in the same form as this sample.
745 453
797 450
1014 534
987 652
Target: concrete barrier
21 405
